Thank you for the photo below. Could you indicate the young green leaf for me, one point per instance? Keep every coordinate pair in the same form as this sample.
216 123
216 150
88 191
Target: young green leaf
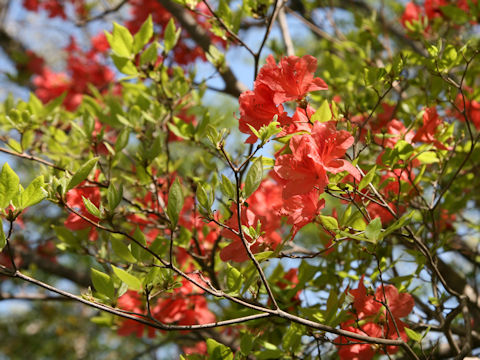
9 185
217 351
175 202
91 208
412 334
367 179
33 194
82 173
121 41
149 56
103 283
114 196
133 282
254 177
234 279
374 229
171 36
323 113
3 239
122 250
227 187
329 222
143 35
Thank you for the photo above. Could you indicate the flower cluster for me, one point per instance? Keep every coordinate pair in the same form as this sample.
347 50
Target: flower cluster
291 80
375 315
83 68
185 306
432 9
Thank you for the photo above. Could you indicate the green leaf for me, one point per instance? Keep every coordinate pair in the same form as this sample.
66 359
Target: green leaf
246 343
82 173
171 36
132 282
323 113
217 351
234 279
227 187
114 196
122 250
9 185
121 41
143 35
33 194
263 255
254 177
428 157
122 139
175 203
124 65
27 139
329 222
91 208
292 338
3 239
103 283
149 56
367 179
413 334
202 196
374 229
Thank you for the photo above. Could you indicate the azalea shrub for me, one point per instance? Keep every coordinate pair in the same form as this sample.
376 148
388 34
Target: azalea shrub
321 202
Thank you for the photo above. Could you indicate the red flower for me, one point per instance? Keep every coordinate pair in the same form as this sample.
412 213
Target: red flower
300 210
291 79
74 200
362 351
431 125
413 12
100 43
313 155
433 8
257 109
235 251
374 320
396 131
472 110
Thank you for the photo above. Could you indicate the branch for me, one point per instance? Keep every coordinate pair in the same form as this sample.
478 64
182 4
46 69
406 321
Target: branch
100 16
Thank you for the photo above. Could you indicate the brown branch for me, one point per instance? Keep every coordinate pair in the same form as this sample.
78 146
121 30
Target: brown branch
100 16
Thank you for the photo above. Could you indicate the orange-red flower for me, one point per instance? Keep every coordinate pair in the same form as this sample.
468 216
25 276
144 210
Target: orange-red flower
313 155
291 79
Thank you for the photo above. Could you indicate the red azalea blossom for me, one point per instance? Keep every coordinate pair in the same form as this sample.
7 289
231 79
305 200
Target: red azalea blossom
300 210
291 79
235 251
257 109
396 130
74 200
433 8
100 43
412 12
431 125
373 320
300 121
313 155
472 110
